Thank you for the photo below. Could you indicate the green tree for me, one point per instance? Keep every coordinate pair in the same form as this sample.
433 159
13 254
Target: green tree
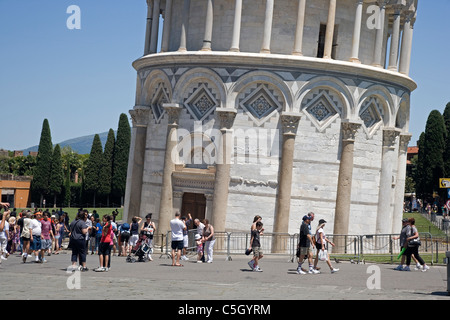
107 166
446 116
57 174
433 160
91 181
41 173
121 153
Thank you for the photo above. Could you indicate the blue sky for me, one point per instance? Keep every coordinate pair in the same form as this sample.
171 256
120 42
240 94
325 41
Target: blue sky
82 80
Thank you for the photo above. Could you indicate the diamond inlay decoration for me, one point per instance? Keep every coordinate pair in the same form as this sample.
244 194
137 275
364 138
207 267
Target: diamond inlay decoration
158 100
321 109
260 104
201 103
370 115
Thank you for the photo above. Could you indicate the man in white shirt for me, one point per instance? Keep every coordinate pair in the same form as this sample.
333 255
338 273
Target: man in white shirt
177 226
35 227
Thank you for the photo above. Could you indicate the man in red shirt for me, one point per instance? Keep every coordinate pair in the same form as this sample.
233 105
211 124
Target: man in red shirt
104 247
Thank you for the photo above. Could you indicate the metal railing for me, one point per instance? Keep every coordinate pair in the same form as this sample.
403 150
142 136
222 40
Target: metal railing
354 248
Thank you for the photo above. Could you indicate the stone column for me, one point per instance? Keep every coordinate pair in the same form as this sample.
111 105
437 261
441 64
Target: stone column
289 123
298 42
236 26
400 183
207 39
155 27
166 29
395 40
184 25
223 164
166 211
148 30
344 187
378 51
329 33
357 32
268 20
385 210
405 55
140 117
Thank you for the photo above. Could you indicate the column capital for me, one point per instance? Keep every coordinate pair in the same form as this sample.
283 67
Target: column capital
140 116
390 136
405 138
349 130
226 117
289 123
173 110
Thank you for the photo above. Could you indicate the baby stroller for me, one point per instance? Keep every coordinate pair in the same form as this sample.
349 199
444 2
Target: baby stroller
140 250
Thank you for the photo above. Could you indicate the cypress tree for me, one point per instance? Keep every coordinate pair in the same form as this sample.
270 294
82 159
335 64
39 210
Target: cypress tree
419 172
107 166
41 172
91 182
446 116
121 153
56 174
434 145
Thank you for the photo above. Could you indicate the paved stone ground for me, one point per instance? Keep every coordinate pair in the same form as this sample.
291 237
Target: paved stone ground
221 280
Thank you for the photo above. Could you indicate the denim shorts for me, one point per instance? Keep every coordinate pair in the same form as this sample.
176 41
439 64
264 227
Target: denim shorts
46 244
36 244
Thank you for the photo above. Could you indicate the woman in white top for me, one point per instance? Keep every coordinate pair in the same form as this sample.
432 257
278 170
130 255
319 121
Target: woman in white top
321 239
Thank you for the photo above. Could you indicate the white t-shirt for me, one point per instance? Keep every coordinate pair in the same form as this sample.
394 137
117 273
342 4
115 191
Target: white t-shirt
320 231
35 227
6 228
177 227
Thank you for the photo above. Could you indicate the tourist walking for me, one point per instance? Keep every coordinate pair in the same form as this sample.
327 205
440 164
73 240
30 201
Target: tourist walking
177 226
26 236
149 229
255 246
413 243
209 239
46 236
4 234
36 243
321 240
305 244
77 240
405 232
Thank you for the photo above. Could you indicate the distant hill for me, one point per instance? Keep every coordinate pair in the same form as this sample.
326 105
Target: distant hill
81 145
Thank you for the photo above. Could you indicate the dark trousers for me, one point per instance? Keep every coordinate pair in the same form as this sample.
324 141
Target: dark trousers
413 251
78 250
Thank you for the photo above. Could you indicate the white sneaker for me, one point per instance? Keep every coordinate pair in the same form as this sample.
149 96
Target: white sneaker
3 258
334 270
257 269
300 271
199 261
418 267
313 271
425 268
